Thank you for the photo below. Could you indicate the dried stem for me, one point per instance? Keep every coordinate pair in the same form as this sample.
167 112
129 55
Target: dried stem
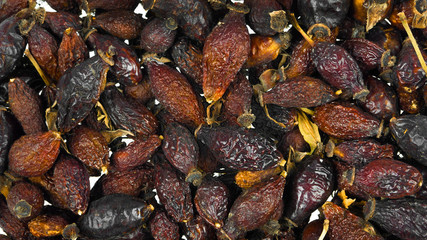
37 66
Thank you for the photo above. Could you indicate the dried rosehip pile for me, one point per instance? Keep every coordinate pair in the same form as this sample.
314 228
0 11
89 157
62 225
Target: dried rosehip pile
194 127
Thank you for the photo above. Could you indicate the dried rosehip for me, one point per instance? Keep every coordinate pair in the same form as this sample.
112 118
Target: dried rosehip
300 91
345 225
174 193
292 139
60 21
140 92
253 208
262 19
162 228
381 100
79 89
287 117
188 58
311 186
211 201
47 225
366 53
329 12
193 16
130 182
237 102
10 7
410 133
386 37
182 151
44 48
63 5
33 155
385 178
25 201
11 225
313 230
126 68
136 153
25 104
114 215
246 179
360 152
71 51
12 45
89 146
10 130
174 92
414 10
199 229
300 61
123 24
241 149
339 69
345 121
404 218
225 51
371 12
127 114
158 35
113 5
71 183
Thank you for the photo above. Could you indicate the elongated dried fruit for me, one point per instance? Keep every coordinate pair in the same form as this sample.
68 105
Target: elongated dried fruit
361 152
33 155
10 7
211 201
313 230
114 215
246 179
174 193
71 51
71 181
89 146
25 201
224 53
158 35
78 91
119 23
345 225
26 106
366 53
300 91
172 89
10 130
128 114
329 12
345 121
162 228
130 182
47 225
241 149
385 178
310 187
12 45
136 153
44 48
404 218
182 151
265 49
188 58
410 133
254 208
126 66
60 21
339 69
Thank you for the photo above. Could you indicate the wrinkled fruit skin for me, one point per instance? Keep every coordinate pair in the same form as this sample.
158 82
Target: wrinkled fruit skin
157 36
32 197
345 225
211 201
254 207
78 91
33 155
174 193
381 100
339 69
310 188
241 149
128 212
162 228
119 23
329 12
404 218
11 225
410 133
224 53
345 121
10 130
